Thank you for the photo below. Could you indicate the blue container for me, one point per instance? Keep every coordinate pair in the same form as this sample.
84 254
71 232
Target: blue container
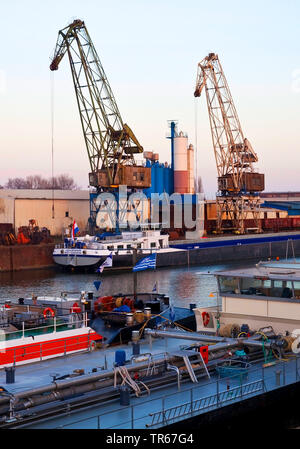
120 357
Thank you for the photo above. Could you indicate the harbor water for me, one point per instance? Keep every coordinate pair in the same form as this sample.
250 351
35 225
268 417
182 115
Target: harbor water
184 285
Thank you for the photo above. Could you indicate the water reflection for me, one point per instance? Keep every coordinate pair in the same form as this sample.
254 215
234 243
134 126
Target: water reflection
184 285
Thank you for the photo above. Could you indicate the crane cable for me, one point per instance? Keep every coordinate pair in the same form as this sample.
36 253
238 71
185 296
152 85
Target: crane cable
196 144
52 137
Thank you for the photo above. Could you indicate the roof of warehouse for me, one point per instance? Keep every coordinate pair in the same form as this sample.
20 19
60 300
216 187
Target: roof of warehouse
283 205
45 194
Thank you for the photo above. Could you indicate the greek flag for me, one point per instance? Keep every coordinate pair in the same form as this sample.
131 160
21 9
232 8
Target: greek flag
106 263
146 263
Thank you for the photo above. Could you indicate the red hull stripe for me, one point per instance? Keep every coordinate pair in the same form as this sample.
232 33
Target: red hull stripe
46 349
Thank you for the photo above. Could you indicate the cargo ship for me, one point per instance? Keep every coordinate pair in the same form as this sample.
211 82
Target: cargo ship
236 364
91 251
41 328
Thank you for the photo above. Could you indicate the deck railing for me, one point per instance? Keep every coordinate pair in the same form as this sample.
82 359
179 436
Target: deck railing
187 402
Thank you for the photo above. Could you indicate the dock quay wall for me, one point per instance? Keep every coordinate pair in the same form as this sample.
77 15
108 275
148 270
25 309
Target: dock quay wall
22 257
208 252
222 250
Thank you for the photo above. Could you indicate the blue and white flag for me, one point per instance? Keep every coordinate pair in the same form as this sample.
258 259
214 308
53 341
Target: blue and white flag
106 263
146 263
154 290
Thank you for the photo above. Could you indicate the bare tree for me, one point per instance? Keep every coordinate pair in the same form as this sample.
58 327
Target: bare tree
16 183
61 182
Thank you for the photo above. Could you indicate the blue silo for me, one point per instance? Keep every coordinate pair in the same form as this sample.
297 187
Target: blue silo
160 178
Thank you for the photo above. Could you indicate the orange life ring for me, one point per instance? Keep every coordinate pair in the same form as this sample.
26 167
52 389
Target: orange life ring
48 311
205 318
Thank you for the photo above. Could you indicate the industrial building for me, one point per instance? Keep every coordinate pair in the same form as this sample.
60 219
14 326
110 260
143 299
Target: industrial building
54 210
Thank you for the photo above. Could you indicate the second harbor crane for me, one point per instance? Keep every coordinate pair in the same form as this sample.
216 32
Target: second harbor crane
110 143
238 183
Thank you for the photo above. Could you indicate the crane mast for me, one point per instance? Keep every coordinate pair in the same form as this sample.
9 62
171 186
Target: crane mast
238 182
110 143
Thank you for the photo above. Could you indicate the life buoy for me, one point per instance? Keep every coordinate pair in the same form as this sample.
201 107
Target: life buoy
205 318
48 311
92 346
75 308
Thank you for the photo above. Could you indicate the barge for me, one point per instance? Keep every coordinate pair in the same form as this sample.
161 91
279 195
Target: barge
91 251
174 378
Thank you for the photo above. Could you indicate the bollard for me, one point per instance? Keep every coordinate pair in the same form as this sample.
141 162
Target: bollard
124 395
192 306
135 348
277 375
10 374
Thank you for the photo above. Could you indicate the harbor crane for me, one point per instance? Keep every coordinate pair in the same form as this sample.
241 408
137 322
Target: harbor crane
239 184
110 143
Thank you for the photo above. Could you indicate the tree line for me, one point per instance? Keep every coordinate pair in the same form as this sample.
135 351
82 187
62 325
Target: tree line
61 182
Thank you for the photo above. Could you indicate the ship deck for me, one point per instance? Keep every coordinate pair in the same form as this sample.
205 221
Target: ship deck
164 405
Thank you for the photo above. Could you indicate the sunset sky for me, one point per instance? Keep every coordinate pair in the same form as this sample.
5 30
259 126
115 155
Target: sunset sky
149 51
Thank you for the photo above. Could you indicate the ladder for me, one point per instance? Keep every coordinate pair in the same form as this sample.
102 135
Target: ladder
190 368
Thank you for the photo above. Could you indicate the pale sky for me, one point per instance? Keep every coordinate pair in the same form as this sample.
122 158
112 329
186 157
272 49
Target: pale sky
149 51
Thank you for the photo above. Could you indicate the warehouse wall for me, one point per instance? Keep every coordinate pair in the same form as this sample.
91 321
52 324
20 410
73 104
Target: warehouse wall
6 210
41 211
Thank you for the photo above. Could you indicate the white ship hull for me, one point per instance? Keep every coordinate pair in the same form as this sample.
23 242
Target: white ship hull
91 252
79 258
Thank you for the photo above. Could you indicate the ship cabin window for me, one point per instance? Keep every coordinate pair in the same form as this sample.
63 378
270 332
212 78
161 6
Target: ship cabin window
266 287
110 247
229 284
120 246
153 244
297 289
254 286
128 246
139 245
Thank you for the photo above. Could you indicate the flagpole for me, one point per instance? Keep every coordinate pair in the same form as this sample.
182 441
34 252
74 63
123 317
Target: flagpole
134 259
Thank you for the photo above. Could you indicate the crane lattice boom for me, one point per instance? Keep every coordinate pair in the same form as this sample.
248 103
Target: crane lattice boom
233 152
238 182
110 143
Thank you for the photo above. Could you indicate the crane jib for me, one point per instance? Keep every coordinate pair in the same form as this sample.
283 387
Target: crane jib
109 142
